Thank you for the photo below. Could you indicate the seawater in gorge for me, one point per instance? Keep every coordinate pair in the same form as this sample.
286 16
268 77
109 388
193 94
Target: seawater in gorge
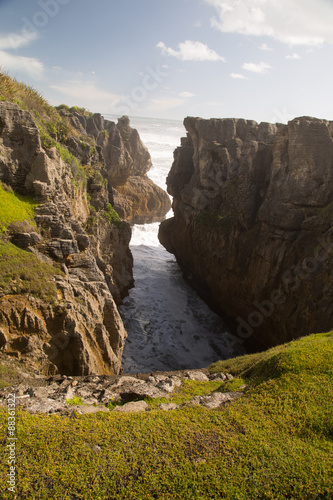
169 327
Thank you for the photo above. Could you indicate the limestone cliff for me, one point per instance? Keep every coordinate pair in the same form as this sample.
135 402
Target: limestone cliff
136 198
252 225
75 229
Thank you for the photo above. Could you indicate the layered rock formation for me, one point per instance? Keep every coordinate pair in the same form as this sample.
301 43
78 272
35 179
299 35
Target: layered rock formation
135 197
79 332
252 225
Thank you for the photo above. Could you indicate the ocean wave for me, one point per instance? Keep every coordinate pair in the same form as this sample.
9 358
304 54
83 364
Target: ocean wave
168 325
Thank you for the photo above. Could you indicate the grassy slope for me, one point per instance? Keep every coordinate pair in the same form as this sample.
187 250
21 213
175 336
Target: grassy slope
20 271
275 443
14 207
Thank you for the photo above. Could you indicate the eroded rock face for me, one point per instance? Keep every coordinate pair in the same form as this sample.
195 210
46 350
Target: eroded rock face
126 162
19 145
252 223
80 332
141 201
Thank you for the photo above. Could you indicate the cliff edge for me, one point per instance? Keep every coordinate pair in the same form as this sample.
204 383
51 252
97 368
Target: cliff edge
252 225
65 262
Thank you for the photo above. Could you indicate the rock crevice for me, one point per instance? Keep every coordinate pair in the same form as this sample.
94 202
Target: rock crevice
76 229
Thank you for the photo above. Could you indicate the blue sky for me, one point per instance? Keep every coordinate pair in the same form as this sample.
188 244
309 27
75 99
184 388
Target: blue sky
266 60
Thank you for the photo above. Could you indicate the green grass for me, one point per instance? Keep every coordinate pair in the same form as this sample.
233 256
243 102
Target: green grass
111 216
54 129
187 391
14 207
21 272
79 174
75 109
76 400
25 96
275 443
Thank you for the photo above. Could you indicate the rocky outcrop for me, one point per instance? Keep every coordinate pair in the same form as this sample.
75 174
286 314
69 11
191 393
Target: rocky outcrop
252 225
79 331
127 161
127 393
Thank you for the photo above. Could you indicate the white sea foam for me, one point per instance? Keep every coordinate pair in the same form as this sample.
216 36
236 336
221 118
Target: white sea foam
168 325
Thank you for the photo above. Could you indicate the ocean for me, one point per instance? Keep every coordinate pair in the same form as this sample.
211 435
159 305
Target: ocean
169 327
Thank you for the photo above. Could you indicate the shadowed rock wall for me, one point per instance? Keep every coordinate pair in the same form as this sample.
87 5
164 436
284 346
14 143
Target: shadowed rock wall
252 225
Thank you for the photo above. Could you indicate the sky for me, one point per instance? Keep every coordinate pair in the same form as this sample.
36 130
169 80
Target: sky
265 60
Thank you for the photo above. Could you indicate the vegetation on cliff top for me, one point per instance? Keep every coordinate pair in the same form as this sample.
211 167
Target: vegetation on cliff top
74 109
275 443
25 96
21 271
54 128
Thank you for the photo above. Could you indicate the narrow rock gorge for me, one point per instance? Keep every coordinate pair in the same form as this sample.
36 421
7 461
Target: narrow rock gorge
77 168
252 225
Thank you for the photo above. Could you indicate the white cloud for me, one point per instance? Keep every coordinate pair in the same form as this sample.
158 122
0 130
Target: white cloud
264 46
87 94
293 56
295 22
29 65
238 76
260 68
15 41
13 62
191 51
186 94
164 104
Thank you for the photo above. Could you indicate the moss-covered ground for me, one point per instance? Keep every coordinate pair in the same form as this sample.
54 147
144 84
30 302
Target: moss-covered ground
22 272
14 207
275 443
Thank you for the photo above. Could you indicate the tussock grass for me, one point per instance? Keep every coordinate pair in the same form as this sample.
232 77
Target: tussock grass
24 95
54 129
275 443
